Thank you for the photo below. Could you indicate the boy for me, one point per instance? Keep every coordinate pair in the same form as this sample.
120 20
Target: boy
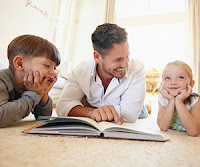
24 86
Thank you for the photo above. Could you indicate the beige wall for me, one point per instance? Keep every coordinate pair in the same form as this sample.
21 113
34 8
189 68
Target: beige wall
17 19
91 14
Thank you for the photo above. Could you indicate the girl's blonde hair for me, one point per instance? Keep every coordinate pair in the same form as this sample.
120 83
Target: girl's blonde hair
188 70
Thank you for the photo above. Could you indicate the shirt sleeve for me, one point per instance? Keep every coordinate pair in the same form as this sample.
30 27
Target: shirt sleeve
43 109
71 96
194 100
133 98
12 111
163 101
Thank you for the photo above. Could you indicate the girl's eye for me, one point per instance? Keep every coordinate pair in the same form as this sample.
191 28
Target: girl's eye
181 77
166 78
46 65
54 68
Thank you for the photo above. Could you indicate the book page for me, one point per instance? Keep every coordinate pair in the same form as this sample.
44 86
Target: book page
135 131
84 120
126 127
90 121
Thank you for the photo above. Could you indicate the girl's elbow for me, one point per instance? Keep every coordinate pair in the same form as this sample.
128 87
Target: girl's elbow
162 128
194 133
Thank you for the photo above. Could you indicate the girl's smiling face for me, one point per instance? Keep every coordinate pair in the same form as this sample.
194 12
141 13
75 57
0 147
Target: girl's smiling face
175 78
44 66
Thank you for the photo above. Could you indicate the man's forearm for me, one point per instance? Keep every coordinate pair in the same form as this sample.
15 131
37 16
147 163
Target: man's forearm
79 111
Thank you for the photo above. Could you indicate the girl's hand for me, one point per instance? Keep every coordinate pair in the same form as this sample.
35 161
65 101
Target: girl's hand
184 94
165 93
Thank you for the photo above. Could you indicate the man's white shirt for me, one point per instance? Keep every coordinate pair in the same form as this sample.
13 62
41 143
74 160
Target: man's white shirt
126 94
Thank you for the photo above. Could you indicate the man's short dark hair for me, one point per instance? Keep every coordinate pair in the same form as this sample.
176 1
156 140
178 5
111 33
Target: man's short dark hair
106 35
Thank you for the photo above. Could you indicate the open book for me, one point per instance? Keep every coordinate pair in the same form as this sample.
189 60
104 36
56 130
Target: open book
82 126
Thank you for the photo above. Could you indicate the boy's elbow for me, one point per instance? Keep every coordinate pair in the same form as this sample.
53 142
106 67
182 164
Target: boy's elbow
4 124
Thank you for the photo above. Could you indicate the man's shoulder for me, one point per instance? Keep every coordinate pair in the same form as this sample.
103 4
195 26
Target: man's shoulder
134 63
135 66
85 66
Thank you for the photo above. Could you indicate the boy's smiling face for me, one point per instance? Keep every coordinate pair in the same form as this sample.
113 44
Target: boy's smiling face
44 66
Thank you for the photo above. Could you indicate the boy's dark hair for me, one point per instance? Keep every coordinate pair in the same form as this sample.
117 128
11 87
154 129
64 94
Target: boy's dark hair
30 46
106 35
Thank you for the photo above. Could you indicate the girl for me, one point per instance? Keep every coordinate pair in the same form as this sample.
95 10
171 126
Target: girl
178 107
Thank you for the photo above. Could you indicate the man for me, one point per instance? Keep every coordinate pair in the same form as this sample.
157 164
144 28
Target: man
110 87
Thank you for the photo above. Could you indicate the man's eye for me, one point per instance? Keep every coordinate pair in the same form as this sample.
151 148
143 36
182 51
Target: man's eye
118 59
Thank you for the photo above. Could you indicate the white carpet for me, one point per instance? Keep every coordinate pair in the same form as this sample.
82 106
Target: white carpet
19 150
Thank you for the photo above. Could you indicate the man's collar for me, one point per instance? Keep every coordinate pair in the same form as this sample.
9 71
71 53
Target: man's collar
94 73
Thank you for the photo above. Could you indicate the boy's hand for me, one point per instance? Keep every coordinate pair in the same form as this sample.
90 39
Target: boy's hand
184 94
50 82
106 113
32 83
165 93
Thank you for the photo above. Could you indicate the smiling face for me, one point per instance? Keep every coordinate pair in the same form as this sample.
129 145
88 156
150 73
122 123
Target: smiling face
115 62
175 78
44 66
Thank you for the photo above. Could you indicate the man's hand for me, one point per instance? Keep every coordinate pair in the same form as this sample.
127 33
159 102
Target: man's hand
106 113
